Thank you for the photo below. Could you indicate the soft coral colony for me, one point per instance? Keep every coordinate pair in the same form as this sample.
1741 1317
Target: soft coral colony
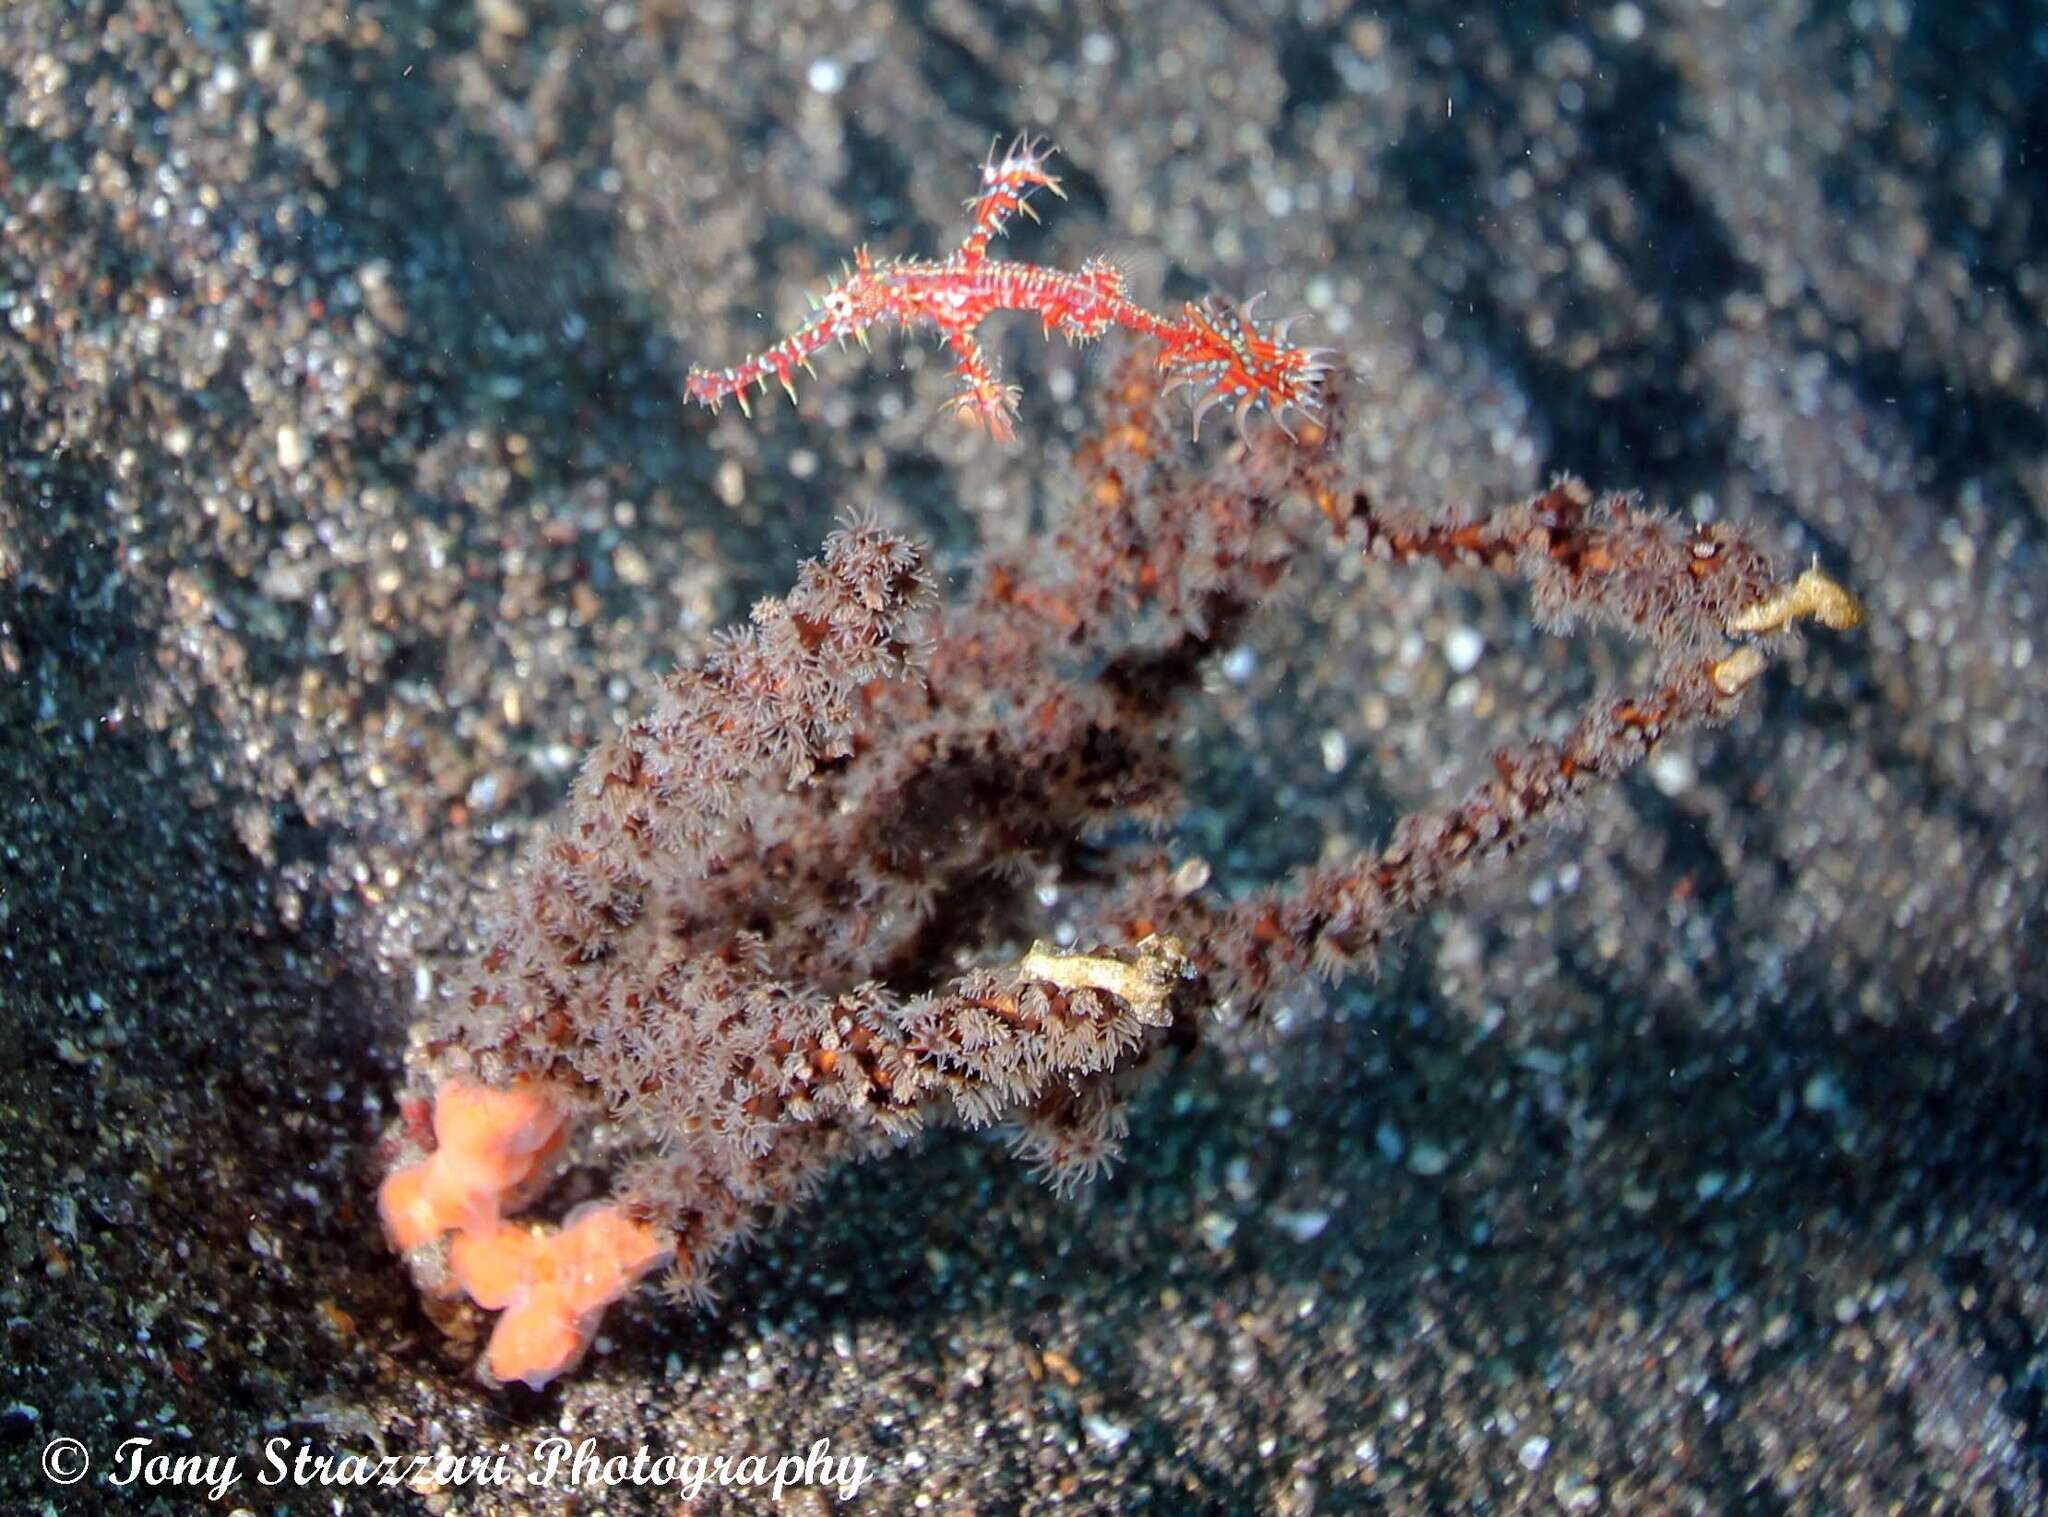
736 961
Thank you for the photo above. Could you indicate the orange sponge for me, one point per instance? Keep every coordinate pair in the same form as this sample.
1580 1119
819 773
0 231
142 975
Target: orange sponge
537 1340
489 1143
552 1287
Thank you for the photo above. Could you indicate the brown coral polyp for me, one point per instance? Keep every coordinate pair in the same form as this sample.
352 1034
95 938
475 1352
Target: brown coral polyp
739 952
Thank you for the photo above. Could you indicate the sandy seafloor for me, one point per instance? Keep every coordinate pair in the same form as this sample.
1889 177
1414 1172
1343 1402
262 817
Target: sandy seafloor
1696 1166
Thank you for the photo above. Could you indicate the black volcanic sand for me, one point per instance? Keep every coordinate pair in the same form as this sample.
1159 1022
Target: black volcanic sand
1695 1166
